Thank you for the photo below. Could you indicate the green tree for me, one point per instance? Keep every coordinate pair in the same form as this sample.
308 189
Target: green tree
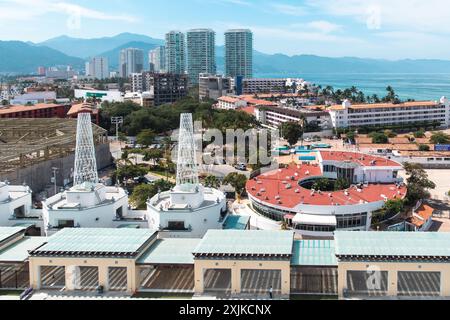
153 155
440 138
237 181
292 132
145 137
393 207
418 183
212 182
143 192
424 147
379 138
129 171
341 184
419 134
323 184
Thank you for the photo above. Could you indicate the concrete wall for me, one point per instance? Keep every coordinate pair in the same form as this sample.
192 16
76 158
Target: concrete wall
393 269
69 263
236 266
37 177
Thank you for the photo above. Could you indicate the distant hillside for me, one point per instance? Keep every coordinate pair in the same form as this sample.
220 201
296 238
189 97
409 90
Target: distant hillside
113 55
285 65
21 57
85 48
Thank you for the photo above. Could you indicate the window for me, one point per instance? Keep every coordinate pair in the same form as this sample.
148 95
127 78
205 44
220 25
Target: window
19 212
66 224
176 225
358 220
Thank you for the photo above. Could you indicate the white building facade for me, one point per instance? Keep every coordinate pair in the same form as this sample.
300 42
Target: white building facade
385 114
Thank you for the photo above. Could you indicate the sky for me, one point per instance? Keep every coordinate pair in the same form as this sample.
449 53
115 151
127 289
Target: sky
388 29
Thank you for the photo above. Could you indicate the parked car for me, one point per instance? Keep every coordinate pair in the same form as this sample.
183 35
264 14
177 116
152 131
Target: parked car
241 167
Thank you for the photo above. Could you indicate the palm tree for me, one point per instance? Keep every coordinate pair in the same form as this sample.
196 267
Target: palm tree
303 123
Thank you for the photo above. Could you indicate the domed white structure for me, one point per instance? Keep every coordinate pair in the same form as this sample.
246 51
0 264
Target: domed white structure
88 204
189 210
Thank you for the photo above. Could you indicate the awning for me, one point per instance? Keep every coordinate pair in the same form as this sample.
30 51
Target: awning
317 220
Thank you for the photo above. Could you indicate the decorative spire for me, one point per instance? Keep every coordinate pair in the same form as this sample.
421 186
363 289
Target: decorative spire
187 171
85 162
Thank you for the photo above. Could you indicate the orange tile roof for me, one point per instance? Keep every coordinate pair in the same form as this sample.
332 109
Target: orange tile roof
422 215
267 187
386 105
359 158
22 108
229 99
77 108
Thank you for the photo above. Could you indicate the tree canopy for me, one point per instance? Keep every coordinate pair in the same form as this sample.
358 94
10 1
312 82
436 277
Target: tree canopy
143 192
237 181
291 132
440 138
418 183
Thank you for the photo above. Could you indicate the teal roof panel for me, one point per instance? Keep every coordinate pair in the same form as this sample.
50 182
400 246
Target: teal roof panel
7 232
314 253
96 241
248 242
423 244
170 251
18 252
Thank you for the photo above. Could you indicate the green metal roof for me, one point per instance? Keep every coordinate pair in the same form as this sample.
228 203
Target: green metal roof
96 241
18 252
314 253
423 244
7 232
248 242
170 251
236 222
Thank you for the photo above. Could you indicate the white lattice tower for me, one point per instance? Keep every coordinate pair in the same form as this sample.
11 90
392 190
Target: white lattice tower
187 171
85 163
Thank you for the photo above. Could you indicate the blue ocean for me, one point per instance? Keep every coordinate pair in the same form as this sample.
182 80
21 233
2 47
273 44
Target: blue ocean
420 86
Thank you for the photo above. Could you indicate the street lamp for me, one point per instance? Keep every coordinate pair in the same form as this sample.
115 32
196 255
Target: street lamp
54 169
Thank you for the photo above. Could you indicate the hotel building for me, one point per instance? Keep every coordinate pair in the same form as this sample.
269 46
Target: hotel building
385 114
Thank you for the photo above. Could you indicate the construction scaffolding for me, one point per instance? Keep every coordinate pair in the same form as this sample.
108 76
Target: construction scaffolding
27 142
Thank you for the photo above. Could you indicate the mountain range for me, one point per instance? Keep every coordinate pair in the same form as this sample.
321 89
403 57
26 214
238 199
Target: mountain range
25 57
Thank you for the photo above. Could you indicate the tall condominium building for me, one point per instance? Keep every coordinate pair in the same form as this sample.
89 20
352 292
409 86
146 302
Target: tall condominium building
98 68
175 53
239 53
157 58
201 53
131 61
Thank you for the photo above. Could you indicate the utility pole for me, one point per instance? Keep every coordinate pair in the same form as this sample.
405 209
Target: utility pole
54 169
117 121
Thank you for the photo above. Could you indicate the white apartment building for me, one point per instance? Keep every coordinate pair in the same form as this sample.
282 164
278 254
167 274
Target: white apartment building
275 116
231 103
384 114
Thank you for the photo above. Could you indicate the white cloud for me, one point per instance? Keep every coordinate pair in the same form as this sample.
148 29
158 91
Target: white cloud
323 26
289 9
408 15
19 10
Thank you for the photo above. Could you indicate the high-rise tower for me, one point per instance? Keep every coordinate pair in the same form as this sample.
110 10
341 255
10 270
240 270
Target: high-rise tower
85 170
201 53
175 52
239 53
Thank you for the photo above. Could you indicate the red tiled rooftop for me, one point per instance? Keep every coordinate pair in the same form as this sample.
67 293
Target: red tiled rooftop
22 108
359 158
425 212
274 184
